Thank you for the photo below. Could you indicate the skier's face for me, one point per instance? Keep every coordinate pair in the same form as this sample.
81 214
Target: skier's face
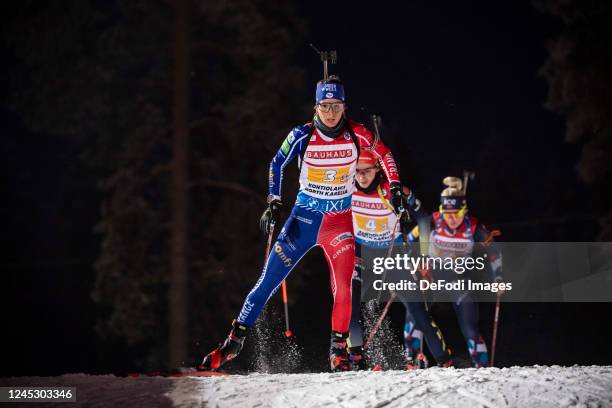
365 174
454 219
335 110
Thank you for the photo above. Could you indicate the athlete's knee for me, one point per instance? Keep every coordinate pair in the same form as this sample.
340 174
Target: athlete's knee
343 294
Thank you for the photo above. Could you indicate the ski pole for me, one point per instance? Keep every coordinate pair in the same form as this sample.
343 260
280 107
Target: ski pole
495 321
393 294
269 246
467 176
415 278
379 321
288 332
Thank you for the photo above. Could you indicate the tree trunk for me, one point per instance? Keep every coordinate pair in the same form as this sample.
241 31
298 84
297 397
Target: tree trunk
179 292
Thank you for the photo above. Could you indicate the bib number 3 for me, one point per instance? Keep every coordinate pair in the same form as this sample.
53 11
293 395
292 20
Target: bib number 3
330 175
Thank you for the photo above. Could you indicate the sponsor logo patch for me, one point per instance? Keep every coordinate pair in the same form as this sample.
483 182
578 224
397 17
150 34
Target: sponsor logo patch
286 260
304 220
345 248
372 224
368 205
329 87
313 203
339 238
330 154
330 176
286 146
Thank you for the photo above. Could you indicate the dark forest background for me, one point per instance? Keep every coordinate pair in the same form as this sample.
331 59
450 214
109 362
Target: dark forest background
99 98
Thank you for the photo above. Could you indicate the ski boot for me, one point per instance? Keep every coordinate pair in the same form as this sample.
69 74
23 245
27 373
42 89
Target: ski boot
445 361
227 351
478 353
357 358
338 357
416 362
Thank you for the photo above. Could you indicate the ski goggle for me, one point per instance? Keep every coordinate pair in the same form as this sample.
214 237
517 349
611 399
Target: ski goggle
457 214
335 107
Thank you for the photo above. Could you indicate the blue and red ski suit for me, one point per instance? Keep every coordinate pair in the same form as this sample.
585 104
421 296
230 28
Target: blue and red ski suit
321 215
444 241
374 221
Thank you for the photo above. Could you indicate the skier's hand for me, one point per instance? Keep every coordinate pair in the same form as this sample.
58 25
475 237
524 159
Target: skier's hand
270 216
398 200
414 205
405 223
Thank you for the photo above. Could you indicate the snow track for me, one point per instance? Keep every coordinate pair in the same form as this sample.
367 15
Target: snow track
537 386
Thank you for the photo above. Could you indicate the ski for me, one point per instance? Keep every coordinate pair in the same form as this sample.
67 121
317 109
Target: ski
180 374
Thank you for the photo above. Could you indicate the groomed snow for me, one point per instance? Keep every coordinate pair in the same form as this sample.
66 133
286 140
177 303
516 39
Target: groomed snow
537 386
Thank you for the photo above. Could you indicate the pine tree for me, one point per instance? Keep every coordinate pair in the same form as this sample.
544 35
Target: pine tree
579 76
101 73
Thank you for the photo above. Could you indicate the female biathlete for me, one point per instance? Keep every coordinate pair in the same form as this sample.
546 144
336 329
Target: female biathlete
375 224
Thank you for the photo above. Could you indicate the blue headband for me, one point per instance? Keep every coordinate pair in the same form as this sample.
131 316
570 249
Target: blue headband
329 90
452 203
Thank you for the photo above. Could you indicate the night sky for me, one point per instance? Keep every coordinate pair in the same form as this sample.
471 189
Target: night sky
457 86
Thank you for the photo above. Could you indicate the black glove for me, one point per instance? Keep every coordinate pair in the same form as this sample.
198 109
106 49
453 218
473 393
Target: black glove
270 216
397 198
409 202
405 223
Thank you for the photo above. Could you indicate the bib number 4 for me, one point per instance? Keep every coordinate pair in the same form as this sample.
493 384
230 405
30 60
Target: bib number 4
371 225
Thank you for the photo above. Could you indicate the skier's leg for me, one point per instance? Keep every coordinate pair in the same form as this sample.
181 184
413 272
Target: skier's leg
293 242
355 341
415 320
340 259
355 329
420 325
467 316
413 337
336 240
413 340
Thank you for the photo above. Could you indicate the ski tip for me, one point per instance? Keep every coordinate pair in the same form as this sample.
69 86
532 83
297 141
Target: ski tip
288 333
377 367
